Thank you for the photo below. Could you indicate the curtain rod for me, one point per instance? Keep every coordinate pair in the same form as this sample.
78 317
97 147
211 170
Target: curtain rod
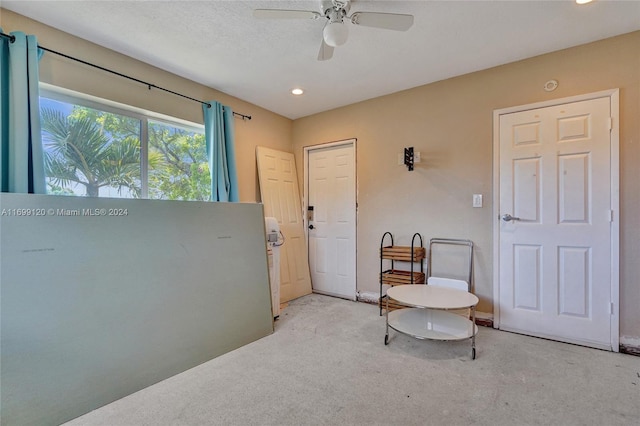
149 85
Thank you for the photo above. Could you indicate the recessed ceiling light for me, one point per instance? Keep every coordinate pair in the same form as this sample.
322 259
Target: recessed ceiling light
297 91
583 1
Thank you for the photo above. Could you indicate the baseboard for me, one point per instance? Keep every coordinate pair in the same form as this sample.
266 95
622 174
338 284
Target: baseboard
629 346
484 319
367 297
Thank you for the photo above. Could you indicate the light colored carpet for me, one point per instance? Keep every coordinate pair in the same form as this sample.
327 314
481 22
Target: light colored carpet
326 364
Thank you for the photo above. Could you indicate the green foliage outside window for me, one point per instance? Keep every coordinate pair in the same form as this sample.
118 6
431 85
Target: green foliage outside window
87 150
81 151
183 172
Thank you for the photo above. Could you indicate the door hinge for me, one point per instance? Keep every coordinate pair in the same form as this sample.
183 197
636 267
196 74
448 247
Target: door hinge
610 214
610 123
611 308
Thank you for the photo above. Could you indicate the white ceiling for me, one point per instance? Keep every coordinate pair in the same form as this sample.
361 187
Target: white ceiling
221 45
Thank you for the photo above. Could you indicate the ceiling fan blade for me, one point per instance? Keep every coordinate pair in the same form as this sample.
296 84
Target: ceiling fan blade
326 51
388 21
285 14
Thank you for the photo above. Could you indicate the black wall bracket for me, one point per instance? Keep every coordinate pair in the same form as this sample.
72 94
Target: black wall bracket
408 158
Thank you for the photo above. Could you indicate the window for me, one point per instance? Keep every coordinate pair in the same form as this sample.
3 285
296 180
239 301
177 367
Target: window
96 149
90 152
178 165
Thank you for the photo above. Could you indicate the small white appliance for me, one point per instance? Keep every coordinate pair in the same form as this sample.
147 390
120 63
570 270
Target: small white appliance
274 240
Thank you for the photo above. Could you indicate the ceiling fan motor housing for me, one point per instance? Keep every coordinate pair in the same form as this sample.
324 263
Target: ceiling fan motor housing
336 5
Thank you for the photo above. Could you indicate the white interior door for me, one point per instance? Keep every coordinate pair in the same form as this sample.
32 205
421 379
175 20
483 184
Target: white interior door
555 254
331 179
281 199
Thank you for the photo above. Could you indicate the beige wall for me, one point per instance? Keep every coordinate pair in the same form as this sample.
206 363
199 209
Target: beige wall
265 128
450 123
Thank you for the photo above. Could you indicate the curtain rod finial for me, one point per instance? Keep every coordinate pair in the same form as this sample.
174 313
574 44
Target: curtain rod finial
11 37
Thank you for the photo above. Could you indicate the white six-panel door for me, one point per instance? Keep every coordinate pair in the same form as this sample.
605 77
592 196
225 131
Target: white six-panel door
281 199
332 225
555 253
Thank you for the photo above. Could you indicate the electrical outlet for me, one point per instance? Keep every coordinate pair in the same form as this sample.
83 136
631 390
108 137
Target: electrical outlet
477 200
416 157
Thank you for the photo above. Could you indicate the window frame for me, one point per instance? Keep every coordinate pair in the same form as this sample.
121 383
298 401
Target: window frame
143 116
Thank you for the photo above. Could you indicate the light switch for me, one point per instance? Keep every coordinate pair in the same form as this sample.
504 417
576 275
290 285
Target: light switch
477 200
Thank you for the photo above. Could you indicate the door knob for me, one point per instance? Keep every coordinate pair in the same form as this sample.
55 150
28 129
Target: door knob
508 218
311 226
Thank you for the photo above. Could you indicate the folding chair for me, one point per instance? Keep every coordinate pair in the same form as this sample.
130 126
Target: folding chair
450 264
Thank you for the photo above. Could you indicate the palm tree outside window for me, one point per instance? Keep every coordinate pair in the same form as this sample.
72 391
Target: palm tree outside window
98 153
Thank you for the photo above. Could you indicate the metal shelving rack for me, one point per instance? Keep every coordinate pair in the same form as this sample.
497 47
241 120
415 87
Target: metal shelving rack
412 254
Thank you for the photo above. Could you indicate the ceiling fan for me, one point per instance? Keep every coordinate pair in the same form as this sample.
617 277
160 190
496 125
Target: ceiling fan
335 31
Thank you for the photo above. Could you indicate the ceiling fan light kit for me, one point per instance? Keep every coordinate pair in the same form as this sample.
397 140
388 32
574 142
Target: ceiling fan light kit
336 31
335 34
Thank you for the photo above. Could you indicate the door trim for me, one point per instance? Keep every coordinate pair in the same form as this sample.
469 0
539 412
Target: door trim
614 99
305 198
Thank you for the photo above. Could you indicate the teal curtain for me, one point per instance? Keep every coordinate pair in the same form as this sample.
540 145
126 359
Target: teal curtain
21 155
219 137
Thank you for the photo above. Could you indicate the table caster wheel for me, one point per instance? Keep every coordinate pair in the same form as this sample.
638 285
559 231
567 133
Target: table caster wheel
473 353
386 339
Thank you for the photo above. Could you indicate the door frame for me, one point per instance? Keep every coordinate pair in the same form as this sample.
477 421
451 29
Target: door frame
614 100
305 197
